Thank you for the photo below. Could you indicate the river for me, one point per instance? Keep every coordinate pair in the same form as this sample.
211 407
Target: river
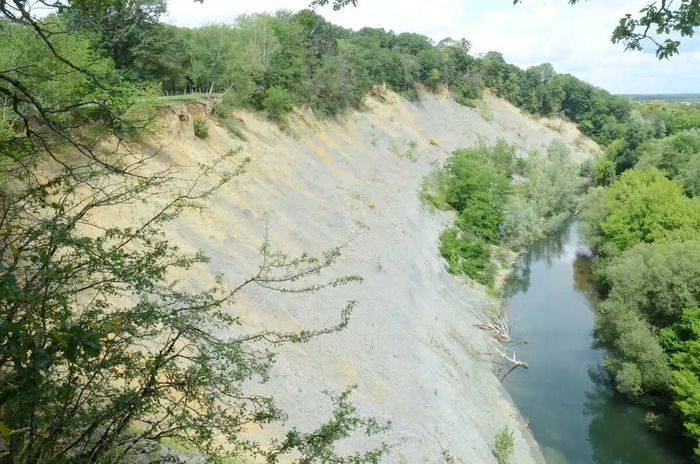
572 410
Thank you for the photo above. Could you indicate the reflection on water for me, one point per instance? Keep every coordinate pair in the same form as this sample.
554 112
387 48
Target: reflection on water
570 406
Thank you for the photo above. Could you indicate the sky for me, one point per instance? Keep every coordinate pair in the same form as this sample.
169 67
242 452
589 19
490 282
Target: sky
575 39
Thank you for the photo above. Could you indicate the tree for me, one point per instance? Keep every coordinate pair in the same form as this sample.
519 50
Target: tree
641 206
337 4
677 155
104 353
659 281
682 341
213 55
121 27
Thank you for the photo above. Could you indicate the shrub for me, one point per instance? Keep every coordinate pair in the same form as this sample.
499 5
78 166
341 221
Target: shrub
604 172
503 446
543 203
277 103
233 129
467 255
200 128
521 224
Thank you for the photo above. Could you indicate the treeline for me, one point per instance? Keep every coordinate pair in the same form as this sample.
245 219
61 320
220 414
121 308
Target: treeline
273 62
643 222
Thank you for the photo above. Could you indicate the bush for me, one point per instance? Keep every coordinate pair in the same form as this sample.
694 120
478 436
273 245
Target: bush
467 255
476 183
200 128
542 204
521 224
604 172
503 446
659 281
635 360
277 103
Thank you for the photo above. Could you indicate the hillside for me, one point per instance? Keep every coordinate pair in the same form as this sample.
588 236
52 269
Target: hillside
411 345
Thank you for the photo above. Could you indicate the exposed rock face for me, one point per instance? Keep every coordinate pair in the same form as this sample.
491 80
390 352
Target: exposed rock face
411 346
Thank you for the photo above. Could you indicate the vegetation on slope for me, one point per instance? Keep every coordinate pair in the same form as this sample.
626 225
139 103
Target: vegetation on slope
477 184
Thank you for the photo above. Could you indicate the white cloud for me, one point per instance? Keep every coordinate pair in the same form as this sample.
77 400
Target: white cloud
574 39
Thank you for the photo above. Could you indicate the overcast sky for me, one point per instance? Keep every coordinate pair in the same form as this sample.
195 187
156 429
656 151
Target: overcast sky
575 39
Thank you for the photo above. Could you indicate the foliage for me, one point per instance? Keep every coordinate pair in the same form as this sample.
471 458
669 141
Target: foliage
646 230
467 255
541 204
503 446
328 67
642 206
651 286
682 342
678 156
476 183
277 103
604 172
634 360
200 128
659 281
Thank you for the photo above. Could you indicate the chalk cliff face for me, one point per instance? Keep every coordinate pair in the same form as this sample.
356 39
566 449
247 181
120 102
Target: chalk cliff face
411 346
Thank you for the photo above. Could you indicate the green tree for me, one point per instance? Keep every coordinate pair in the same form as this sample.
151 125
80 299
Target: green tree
124 29
659 281
277 103
541 204
677 155
642 206
682 342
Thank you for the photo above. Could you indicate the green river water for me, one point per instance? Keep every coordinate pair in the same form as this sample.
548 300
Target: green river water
568 403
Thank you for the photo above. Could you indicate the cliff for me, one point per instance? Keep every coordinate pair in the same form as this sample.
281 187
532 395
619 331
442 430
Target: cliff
411 346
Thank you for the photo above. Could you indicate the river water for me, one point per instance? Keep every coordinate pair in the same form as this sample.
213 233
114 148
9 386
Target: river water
570 407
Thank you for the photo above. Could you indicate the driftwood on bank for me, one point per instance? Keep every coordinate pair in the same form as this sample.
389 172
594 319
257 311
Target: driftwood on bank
497 324
514 363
